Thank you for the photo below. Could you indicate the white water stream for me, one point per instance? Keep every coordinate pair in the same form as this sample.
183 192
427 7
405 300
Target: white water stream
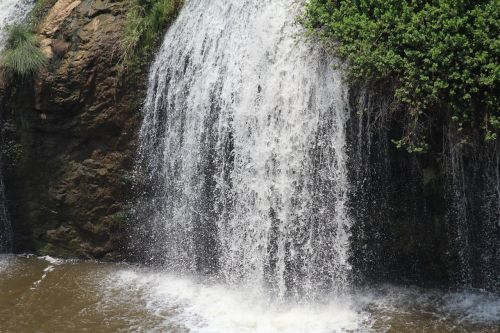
243 144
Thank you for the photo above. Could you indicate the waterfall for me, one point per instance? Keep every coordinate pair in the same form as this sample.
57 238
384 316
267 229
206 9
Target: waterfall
473 214
11 11
5 227
242 151
432 218
458 212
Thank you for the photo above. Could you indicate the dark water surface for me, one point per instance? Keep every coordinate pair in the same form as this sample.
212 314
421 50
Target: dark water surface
52 295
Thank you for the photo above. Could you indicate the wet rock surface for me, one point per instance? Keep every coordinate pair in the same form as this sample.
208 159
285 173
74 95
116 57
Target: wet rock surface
71 134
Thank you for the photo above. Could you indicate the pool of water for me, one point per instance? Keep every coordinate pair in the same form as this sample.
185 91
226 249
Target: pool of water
43 294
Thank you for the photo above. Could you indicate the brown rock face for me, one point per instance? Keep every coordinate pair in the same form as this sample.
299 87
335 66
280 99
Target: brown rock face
71 135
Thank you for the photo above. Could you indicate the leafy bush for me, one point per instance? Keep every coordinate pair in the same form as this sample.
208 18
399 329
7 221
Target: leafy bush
146 20
440 57
22 56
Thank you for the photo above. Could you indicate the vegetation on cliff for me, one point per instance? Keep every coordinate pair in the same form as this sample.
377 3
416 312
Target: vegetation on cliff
22 55
440 58
145 22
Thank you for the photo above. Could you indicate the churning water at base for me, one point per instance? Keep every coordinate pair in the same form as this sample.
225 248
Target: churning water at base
51 295
242 150
11 11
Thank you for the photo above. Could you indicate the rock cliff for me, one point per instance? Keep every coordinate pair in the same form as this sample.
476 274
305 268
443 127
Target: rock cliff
71 133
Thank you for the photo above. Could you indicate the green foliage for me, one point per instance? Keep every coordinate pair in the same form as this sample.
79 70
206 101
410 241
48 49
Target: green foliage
39 10
146 20
440 57
22 56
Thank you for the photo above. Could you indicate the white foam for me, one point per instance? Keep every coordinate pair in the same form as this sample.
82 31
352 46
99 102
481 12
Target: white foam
476 307
210 308
464 307
5 262
53 262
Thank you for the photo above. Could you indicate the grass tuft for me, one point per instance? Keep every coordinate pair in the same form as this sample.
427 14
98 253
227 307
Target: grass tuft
22 55
145 22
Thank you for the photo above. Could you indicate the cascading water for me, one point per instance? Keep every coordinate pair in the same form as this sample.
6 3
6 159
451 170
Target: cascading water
242 148
432 218
5 227
473 212
243 157
11 11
